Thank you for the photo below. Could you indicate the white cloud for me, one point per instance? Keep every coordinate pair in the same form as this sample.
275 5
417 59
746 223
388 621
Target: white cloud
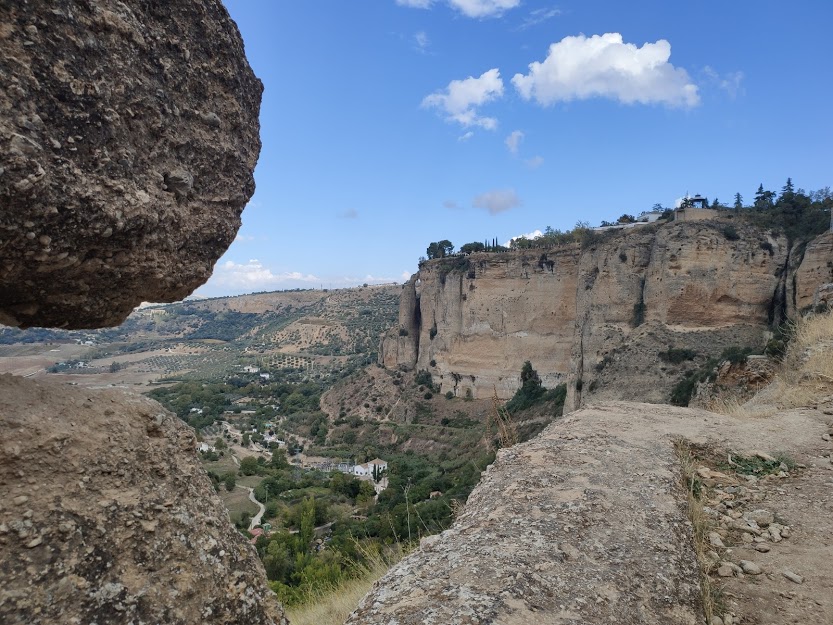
243 238
535 162
529 235
422 41
350 213
577 68
731 82
513 141
459 101
539 16
466 136
254 276
469 8
497 201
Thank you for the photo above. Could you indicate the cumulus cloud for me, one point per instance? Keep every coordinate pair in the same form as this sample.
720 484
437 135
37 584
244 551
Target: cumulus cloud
731 82
497 201
460 100
469 8
513 141
578 68
254 275
350 213
535 162
466 136
529 235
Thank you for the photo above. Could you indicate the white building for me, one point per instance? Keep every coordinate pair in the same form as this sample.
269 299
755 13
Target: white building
361 470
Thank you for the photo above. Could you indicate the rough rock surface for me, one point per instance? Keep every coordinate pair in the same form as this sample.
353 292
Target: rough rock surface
583 524
128 136
106 516
573 312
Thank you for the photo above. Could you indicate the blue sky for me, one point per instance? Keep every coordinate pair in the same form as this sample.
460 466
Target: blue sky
389 124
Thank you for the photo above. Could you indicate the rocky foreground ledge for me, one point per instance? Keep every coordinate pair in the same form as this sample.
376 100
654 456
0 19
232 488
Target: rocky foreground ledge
584 524
107 517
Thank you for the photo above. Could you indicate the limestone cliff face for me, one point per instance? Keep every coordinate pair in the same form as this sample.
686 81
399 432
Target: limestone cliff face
128 136
815 269
597 318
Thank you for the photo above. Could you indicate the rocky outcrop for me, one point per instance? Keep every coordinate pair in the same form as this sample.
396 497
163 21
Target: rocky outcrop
587 523
128 136
400 346
598 317
108 517
816 269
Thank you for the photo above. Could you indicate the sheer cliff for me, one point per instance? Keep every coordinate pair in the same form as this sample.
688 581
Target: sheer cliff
598 316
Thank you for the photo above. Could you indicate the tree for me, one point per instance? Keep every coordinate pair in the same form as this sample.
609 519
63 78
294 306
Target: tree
249 465
763 199
738 201
307 529
469 248
626 219
114 367
715 203
657 208
440 249
788 188
230 481
245 440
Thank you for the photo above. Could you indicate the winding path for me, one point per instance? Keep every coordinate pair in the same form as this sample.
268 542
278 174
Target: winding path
262 509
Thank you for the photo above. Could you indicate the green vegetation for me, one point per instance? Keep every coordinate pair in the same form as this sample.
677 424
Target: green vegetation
755 465
683 391
799 214
532 392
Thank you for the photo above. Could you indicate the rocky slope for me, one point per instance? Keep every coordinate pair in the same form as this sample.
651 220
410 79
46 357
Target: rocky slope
108 517
128 136
597 318
587 523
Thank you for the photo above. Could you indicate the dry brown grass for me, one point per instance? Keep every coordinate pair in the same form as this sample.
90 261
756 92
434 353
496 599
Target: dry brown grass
804 377
701 525
334 606
807 371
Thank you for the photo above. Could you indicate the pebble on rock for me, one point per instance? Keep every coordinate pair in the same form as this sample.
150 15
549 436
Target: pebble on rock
793 577
750 568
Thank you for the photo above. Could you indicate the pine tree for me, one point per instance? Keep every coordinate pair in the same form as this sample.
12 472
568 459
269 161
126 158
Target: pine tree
738 201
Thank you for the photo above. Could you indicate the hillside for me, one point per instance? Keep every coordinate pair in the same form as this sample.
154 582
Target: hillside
324 333
645 513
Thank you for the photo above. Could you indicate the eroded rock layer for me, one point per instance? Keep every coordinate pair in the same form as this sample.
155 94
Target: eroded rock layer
107 517
597 318
128 136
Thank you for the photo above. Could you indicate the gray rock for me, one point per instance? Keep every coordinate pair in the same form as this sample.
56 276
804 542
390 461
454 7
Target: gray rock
750 568
762 518
716 541
793 577
134 199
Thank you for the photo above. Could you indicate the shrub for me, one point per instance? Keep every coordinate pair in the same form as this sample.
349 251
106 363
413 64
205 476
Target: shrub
433 363
428 395
767 247
432 332
623 257
423 378
449 395
676 356
730 233
403 332
736 354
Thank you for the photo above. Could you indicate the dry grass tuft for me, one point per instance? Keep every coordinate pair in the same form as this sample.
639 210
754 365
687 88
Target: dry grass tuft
807 371
501 420
701 525
332 607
